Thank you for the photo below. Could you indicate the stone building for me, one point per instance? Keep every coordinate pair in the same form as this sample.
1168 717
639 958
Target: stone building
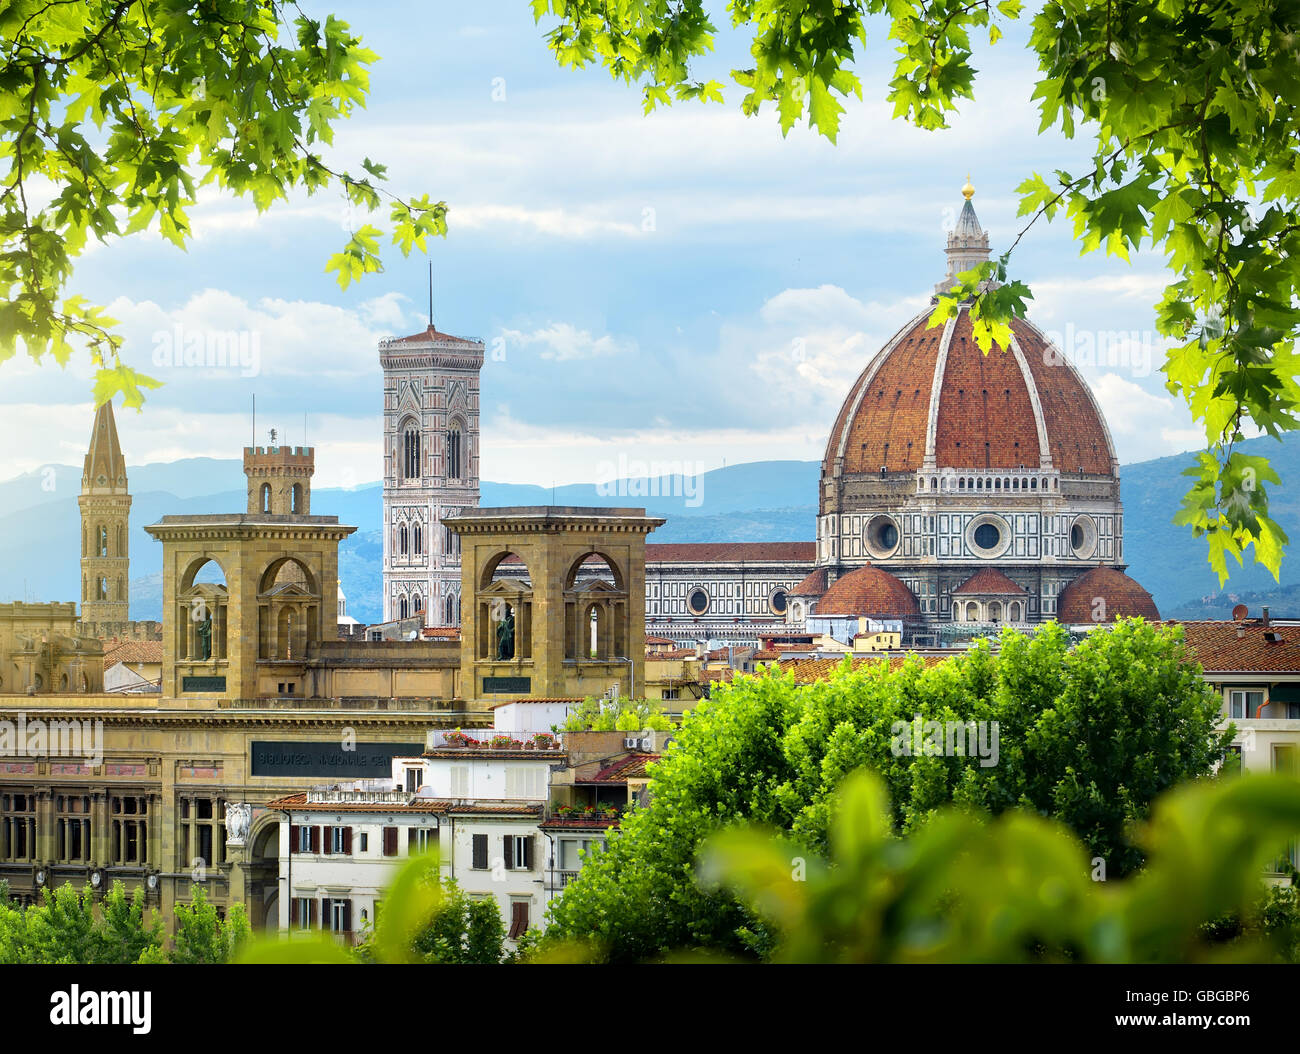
431 469
259 699
43 650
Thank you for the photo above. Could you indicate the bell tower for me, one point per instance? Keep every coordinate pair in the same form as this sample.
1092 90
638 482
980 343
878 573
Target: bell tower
105 507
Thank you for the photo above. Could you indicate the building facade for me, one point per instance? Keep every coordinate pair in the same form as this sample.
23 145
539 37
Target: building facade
431 470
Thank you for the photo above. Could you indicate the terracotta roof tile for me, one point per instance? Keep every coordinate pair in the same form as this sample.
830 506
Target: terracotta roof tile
869 591
730 552
812 586
631 767
989 581
148 651
1218 649
1103 594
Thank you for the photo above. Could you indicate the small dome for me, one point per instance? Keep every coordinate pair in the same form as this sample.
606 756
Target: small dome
1103 594
869 591
814 585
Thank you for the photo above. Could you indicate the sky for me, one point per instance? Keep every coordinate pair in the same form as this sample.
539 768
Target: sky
669 292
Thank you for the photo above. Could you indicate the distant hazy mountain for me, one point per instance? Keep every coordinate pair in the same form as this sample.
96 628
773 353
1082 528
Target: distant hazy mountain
759 501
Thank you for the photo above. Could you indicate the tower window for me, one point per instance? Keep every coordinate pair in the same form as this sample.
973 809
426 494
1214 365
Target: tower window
419 539
266 497
402 540
410 453
101 545
297 497
453 453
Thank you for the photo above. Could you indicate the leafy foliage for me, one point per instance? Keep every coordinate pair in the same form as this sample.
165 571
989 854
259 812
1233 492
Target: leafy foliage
621 715
202 936
1193 111
1018 889
115 113
1089 735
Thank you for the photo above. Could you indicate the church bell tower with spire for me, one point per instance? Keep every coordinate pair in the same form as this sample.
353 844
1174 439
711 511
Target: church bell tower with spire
105 509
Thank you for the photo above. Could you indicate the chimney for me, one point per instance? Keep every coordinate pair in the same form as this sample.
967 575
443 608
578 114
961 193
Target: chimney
1266 618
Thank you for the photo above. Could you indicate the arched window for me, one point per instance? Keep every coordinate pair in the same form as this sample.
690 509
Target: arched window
297 497
410 452
101 588
419 539
101 541
417 605
266 497
403 610
453 452
451 611
403 540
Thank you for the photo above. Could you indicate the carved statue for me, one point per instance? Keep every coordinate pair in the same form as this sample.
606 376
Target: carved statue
238 818
204 631
506 636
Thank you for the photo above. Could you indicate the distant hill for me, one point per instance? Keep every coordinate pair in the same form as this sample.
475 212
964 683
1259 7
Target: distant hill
757 501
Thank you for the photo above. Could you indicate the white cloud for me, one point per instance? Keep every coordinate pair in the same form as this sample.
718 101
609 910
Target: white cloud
563 342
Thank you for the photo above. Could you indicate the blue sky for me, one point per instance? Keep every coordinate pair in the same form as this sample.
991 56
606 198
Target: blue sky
681 289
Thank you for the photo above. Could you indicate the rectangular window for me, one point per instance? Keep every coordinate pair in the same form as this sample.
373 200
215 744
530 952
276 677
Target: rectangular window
414 779
1244 704
480 861
390 841
518 849
365 841
460 781
340 840
419 839
340 915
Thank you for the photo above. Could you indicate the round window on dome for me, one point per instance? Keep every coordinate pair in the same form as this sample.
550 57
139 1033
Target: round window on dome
777 601
881 535
698 601
1083 537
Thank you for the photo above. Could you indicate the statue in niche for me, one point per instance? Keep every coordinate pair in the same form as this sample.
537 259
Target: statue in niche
204 631
506 635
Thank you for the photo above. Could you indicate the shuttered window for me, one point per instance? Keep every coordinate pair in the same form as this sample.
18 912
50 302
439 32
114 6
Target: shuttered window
518 919
480 852
390 841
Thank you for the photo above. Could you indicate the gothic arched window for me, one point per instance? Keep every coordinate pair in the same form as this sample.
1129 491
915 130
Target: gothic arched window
101 542
402 609
402 540
418 604
453 452
451 611
410 452
419 539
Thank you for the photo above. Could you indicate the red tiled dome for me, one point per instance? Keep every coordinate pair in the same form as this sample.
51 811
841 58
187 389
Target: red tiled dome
982 406
814 585
869 591
1120 595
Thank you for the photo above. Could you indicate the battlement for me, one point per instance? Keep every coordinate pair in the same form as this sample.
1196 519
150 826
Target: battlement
279 457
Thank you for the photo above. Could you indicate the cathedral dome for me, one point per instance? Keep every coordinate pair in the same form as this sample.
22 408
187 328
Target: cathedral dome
1103 594
869 591
930 400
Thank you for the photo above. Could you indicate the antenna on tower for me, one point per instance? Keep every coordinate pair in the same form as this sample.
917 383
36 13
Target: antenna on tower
431 294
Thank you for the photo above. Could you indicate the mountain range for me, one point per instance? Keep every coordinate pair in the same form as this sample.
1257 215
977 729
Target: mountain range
757 501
